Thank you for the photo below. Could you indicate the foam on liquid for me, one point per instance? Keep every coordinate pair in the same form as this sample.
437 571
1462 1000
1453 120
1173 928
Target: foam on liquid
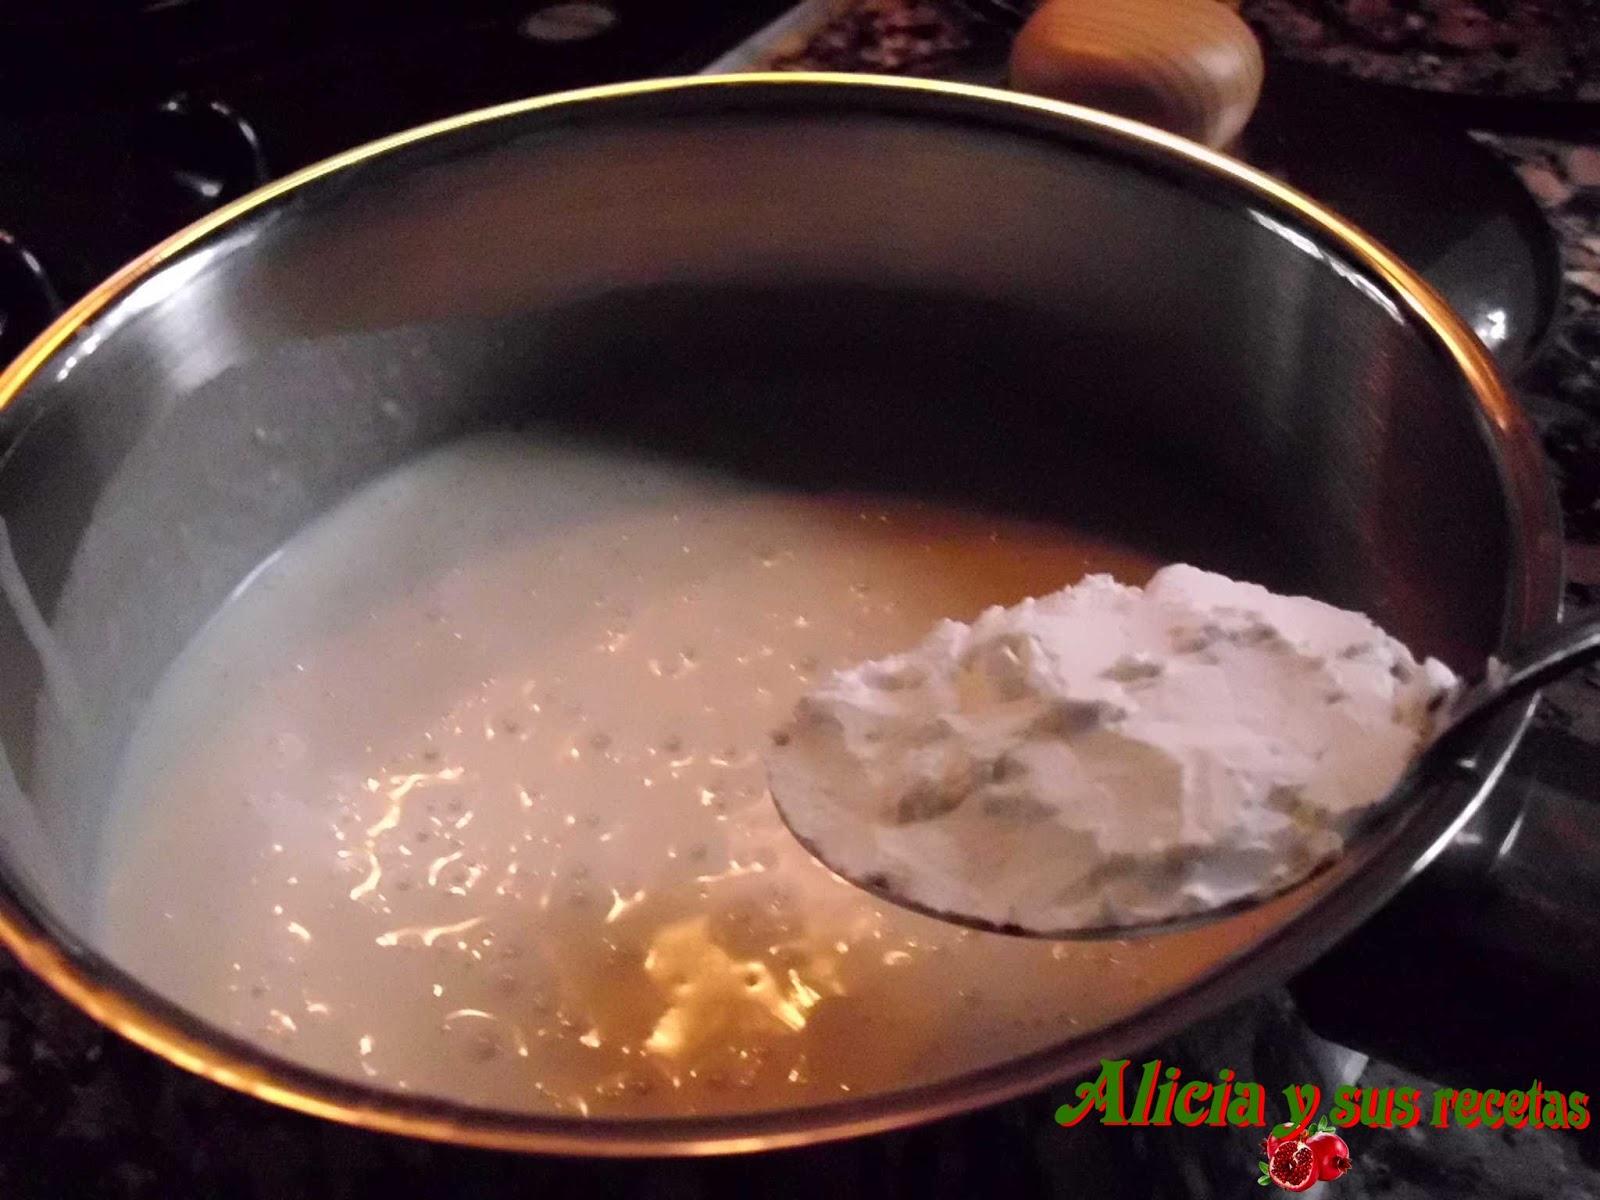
461 794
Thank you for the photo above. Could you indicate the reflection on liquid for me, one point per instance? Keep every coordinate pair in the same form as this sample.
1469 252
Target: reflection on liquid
713 997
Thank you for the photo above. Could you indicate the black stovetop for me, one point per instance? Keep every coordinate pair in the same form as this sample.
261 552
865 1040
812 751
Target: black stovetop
124 120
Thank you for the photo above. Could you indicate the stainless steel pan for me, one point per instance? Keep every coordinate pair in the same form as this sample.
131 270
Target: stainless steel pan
839 282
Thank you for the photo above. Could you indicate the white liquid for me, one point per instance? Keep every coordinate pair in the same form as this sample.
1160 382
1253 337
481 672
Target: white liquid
461 795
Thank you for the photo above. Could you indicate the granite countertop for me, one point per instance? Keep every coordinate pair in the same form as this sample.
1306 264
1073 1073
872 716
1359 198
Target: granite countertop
1543 48
85 1114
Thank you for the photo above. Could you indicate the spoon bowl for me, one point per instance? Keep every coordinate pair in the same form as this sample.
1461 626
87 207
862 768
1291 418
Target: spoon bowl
1450 749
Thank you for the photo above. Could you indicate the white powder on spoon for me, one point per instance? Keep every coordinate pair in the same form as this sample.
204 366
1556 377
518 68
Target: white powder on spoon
1106 755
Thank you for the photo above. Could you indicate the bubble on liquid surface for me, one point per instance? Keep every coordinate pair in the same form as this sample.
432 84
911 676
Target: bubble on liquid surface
479 1037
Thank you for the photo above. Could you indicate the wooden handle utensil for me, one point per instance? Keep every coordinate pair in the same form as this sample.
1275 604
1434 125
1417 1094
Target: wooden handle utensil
1192 67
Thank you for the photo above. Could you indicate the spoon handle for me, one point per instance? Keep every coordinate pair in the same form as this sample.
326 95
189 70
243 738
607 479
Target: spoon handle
1562 650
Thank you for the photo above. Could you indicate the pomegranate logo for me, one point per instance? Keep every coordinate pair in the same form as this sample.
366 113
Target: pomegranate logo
1303 1157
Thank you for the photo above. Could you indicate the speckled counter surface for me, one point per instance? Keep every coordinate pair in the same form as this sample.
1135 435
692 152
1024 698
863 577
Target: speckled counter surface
1544 48
85 1115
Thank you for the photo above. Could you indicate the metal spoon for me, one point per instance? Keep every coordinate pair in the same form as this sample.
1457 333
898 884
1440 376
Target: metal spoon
1499 687
1562 650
